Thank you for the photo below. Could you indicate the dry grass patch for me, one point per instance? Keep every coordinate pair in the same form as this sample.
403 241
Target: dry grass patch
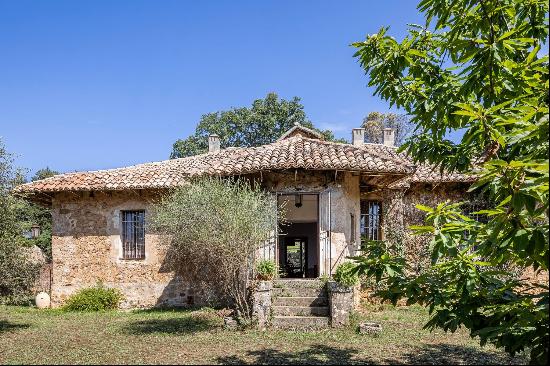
32 336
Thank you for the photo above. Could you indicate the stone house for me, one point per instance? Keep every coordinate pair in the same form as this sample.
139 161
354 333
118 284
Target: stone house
334 194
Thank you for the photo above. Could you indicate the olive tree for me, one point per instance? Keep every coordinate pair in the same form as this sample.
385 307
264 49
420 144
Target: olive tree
479 66
17 273
213 228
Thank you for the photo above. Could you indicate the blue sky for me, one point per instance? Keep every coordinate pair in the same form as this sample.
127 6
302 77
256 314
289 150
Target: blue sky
96 84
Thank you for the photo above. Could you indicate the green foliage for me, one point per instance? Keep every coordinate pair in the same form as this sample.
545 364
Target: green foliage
97 298
17 274
43 174
33 214
479 67
17 215
346 275
266 270
375 123
324 278
9 225
377 260
215 227
264 122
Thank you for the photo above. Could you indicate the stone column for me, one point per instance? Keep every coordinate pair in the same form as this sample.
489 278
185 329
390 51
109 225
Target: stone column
341 303
262 303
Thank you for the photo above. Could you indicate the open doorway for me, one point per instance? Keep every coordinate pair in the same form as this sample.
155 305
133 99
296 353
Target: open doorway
298 250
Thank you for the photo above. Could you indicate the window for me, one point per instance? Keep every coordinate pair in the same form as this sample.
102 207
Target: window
133 234
371 220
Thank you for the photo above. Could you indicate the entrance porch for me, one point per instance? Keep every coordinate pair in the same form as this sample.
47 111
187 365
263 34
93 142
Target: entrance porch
298 236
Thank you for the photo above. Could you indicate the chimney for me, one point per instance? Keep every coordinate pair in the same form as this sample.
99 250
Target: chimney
213 143
358 136
389 136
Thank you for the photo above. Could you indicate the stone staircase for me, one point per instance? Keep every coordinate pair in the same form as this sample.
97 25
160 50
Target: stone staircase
300 304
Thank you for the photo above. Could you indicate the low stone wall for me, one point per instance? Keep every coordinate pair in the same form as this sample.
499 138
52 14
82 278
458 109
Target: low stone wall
262 303
341 303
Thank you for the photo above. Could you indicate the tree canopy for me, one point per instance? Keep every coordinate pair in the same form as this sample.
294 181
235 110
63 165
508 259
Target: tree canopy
262 123
375 122
17 274
478 66
43 174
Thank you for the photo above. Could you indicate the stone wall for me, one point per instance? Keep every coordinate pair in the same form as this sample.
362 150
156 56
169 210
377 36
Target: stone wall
87 248
399 212
415 247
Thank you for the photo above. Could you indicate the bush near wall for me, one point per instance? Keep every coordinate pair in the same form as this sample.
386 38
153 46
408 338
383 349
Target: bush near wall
97 298
345 274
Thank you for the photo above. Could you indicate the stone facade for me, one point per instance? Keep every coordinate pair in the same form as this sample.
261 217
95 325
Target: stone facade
87 248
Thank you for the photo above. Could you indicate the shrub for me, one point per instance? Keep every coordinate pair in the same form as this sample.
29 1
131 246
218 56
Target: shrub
346 275
17 274
97 298
213 229
266 270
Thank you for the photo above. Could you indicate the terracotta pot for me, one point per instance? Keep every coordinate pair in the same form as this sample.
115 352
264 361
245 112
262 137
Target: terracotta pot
264 277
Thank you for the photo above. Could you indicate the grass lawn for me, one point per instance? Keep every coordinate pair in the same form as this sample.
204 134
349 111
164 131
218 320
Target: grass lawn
31 336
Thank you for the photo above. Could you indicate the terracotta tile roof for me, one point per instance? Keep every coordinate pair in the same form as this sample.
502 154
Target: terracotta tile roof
295 152
429 174
426 173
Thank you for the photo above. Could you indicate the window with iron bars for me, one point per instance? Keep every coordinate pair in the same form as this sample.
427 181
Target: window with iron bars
133 234
371 220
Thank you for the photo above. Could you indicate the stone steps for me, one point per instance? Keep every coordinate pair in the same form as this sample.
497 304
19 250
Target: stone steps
300 301
298 283
300 322
300 310
298 291
299 304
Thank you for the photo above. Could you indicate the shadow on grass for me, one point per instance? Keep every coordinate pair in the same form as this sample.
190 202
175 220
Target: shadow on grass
326 355
168 309
6 326
318 354
438 354
174 325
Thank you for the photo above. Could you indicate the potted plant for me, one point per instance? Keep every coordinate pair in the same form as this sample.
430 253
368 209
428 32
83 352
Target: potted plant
266 270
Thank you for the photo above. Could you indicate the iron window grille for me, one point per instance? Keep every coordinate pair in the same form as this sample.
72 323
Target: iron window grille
371 220
133 234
